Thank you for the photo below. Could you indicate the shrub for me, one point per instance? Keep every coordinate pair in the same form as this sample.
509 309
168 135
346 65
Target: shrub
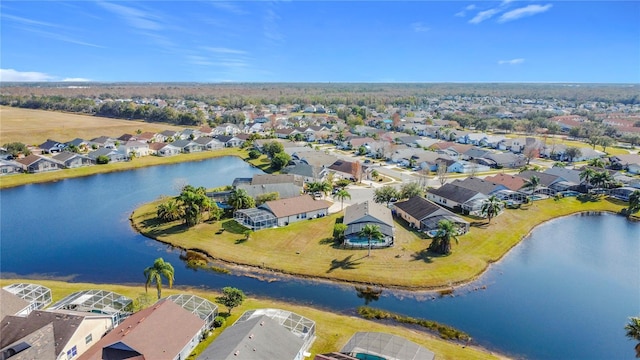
254 154
219 321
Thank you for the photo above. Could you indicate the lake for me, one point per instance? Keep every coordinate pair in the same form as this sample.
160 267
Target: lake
564 292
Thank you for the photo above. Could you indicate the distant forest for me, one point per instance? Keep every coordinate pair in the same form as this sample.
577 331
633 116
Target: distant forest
236 95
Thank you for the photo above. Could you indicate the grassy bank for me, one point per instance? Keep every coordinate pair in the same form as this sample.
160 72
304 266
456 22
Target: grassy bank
332 330
23 179
306 249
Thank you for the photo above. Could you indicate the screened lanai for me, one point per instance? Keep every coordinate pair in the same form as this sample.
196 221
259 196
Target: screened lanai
203 308
38 296
97 302
255 218
431 223
300 326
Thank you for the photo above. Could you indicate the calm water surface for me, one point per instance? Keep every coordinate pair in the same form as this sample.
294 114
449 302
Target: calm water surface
563 293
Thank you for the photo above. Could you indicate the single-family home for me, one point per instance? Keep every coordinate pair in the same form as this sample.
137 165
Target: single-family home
168 136
53 334
37 164
163 149
103 142
282 212
227 129
134 148
512 182
506 160
425 215
138 335
549 183
188 146
629 162
51 146
209 143
81 144
264 334
8 167
357 216
230 141
467 167
111 154
480 185
149 137
72 160
458 198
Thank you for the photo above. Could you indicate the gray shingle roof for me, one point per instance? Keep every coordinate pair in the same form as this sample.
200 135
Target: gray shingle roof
386 345
418 207
479 185
455 193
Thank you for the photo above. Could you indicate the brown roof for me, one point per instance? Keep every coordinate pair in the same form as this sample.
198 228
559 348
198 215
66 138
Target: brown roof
157 146
145 136
296 205
157 332
10 304
28 160
514 183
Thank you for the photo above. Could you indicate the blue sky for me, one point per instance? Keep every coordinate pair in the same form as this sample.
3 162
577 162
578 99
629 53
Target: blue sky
321 41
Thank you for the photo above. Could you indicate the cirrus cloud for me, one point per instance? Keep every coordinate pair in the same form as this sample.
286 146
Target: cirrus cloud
528 10
511 62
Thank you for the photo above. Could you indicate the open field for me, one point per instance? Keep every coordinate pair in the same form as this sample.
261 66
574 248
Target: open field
332 330
34 127
23 179
408 264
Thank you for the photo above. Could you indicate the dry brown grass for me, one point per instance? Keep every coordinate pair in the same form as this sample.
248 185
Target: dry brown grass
33 127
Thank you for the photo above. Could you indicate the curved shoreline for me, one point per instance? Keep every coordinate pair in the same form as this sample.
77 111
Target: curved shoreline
258 271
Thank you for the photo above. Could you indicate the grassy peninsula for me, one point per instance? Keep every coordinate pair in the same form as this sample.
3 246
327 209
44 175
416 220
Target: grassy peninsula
306 248
332 330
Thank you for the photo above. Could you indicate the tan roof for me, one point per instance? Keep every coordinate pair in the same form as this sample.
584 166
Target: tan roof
514 183
157 332
296 205
29 159
10 304
157 146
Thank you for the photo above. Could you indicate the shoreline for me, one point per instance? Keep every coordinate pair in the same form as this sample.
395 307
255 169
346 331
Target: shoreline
261 272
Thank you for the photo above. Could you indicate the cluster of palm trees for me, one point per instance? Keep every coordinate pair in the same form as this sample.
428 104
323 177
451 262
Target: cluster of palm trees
191 206
598 179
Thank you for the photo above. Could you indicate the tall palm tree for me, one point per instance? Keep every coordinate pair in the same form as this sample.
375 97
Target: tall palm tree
596 162
532 183
491 207
602 179
170 211
156 272
586 175
240 199
342 194
442 240
633 332
371 232
634 202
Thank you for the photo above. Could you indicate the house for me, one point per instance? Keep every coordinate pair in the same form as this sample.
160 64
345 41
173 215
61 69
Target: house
344 169
229 141
227 129
78 143
138 335
103 142
409 140
480 185
8 167
429 160
209 143
149 137
51 146
164 149
36 297
506 160
284 190
282 212
112 155
37 164
549 183
317 159
376 345
67 335
188 146
134 148
558 152
264 334
286 133
467 167
168 136
357 216
629 162
623 193
71 160
513 183
458 198
424 215
307 172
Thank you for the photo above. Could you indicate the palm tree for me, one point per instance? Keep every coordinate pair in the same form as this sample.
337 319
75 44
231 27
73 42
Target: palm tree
195 203
170 211
342 194
586 175
596 162
240 199
442 240
634 202
156 272
602 179
633 332
532 183
491 207
371 232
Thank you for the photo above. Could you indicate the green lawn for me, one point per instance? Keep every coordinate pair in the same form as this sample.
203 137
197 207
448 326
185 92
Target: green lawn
332 330
23 179
304 248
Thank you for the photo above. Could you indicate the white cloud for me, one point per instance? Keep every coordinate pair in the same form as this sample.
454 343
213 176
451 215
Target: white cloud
528 10
229 7
78 79
419 27
511 62
483 15
28 21
14 75
463 13
222 50
136 18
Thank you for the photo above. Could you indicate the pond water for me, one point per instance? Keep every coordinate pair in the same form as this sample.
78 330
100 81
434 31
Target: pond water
564 292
